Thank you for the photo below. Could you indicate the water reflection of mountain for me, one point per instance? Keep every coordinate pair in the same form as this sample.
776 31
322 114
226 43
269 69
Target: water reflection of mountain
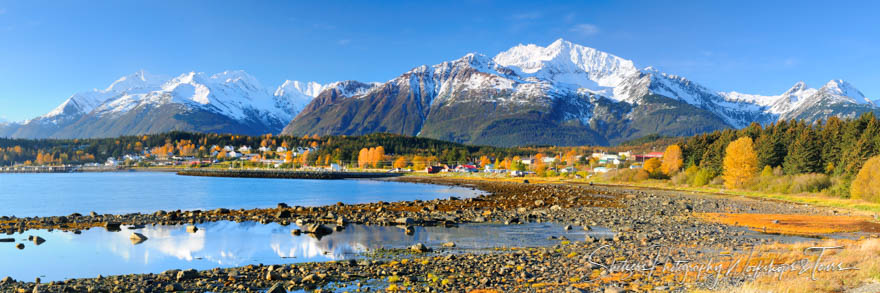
227 244
230 243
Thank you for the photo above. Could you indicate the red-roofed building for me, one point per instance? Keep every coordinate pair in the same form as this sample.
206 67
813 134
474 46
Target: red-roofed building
643 157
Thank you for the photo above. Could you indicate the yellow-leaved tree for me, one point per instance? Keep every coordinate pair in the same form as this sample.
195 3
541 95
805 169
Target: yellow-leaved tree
419 162
672 160
652 165
866 186
484 160
363 157
740 162
400 162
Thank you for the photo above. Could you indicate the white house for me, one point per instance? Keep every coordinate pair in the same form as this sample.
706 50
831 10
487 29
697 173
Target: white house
605 158
281 149
233 155
111 162
601 170
131 158
568 170
229 148
244 149
264 149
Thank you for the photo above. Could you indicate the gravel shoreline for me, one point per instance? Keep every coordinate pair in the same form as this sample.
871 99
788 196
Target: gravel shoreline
641 219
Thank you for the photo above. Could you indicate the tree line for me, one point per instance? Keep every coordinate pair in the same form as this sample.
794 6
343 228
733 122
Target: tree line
205 145
832 152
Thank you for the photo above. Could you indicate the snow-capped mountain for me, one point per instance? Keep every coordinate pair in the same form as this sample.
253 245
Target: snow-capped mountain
835 98
230 101
84 102
567 65
294 95
563 93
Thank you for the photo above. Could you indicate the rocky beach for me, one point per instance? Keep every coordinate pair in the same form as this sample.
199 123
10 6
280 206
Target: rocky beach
642 220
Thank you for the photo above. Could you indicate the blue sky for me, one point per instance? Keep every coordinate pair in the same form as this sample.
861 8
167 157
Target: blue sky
52 49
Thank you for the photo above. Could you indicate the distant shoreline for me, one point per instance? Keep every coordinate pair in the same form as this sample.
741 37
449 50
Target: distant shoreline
285 174
79 169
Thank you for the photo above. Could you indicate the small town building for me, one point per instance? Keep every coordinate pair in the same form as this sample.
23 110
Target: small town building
433 169
645 157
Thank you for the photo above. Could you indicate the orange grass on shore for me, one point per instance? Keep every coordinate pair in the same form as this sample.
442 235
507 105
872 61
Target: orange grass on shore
794 224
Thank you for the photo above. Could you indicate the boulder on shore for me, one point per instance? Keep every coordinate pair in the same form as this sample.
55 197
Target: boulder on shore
186 275
277 288
112 226
404 221
420 248
317 229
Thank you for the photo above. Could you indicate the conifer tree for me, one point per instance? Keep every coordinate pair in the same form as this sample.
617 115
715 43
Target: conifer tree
803 155
770 148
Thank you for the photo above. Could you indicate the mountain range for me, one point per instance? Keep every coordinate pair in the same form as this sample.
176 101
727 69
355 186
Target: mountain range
561 94
140 103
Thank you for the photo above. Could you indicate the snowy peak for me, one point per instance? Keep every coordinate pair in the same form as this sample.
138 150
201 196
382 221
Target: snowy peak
238 78
842 88
351 88
293 96
84 102
311 88
234 94
568 63
138 80
798 87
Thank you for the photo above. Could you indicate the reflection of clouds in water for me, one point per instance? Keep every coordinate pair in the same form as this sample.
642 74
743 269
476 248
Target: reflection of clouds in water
180 246
234 244
231 244
159 238
307 247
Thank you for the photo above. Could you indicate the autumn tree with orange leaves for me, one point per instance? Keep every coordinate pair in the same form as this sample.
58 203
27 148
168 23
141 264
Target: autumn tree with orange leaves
400 162
672 160
740 162
371 157
484 160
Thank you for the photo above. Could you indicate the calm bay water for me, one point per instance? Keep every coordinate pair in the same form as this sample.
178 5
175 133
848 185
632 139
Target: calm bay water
127 192
218 244
229 244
